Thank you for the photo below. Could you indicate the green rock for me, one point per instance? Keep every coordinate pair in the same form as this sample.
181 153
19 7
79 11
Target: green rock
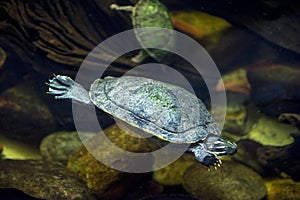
60 145
232 181
173 173
283 189
268 131
13 149
200 25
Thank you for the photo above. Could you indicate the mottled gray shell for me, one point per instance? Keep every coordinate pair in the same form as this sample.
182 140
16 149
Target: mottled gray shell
152 13
164 110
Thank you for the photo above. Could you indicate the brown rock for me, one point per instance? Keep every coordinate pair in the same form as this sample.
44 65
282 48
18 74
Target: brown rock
24 115
41 179
97 175
231 181
173 173
283 189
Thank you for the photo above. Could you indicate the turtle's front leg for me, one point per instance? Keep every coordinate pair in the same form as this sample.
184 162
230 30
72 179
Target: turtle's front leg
124 8
63 87
205 157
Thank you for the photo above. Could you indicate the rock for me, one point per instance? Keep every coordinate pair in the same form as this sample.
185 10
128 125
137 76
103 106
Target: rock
291 118
13 149
41 179
281 159
231 181
24 116
235 81
173 173
283 189
268 131
98 176
275 87
60 145
199 25
247 154
2 57
236 113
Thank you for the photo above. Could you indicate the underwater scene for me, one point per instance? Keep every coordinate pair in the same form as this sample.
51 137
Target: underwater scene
149 100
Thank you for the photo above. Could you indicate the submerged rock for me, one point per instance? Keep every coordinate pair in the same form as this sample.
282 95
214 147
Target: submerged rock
291 118
2 57
231 181
42 179
268 131
173 173
24 115
275 87
236 113
60 145
18 150
247 154
235 81
281 159
199 25
98 176
283 189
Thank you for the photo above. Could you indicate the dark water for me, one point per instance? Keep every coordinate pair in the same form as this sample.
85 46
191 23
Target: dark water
253 46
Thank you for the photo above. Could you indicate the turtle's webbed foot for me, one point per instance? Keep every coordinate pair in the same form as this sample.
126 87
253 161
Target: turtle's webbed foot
60 86
63 87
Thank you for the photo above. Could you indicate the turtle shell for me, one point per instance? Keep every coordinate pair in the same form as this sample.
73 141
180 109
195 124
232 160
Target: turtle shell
152 13
164 110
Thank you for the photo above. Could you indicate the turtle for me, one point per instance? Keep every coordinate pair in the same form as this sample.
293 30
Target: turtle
166 111
151 13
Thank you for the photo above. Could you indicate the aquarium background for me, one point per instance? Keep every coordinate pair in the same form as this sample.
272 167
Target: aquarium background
255 46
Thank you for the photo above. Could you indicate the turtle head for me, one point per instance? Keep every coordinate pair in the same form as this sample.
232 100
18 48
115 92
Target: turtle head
207 151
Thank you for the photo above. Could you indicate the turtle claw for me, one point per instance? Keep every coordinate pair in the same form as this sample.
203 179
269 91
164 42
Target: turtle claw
60 86
216 165
56 92
60 80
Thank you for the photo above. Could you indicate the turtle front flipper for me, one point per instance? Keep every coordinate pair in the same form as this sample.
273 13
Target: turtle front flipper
63 87
213 146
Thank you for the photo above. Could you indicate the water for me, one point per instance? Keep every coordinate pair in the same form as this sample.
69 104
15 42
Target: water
255 47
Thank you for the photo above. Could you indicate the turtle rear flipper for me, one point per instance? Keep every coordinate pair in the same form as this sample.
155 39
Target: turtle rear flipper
63 87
